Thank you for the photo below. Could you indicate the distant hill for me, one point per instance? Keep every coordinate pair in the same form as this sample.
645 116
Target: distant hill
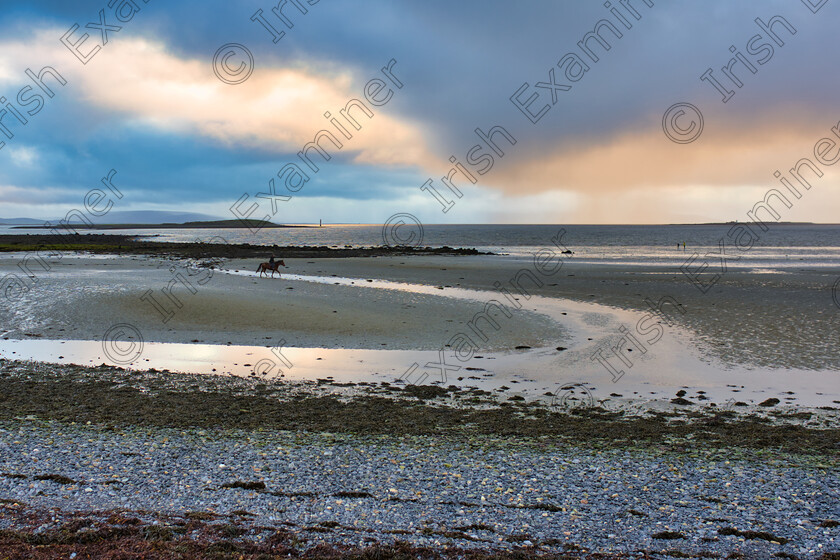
232 224
20 222
212 224
135 217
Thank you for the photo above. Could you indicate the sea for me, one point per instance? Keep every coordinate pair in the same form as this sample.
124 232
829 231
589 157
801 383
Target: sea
782 246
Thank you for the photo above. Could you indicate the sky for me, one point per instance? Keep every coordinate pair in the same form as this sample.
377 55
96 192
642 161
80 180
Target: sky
205 106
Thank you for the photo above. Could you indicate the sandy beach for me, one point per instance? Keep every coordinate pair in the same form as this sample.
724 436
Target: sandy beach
419 280
547 334
307 376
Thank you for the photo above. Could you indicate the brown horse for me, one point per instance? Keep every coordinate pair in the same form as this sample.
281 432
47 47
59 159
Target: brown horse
265 267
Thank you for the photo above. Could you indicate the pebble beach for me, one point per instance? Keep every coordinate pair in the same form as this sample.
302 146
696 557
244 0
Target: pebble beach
705 449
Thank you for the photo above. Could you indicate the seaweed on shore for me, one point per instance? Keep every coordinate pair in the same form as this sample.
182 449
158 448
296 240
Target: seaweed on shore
136 245
94 395
41 535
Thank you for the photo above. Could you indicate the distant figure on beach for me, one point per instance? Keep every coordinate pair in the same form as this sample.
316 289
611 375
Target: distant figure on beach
683 245
272 265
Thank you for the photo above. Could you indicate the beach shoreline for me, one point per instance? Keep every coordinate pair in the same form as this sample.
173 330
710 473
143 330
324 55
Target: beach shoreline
339 450
106 453
546 330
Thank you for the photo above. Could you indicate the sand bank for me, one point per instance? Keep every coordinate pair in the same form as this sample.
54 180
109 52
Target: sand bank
371 319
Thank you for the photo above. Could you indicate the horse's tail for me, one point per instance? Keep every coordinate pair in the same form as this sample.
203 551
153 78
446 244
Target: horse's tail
258 268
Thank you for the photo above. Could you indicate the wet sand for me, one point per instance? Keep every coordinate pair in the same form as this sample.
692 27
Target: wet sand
720 439
82 297
776 320
334 316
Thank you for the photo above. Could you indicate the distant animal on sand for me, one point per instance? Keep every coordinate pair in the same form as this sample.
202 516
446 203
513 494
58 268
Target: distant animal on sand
273 267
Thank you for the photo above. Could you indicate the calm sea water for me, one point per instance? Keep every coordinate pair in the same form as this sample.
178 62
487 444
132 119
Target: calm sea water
784 245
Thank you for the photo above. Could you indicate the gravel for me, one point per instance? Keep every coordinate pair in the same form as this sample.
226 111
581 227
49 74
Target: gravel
481 491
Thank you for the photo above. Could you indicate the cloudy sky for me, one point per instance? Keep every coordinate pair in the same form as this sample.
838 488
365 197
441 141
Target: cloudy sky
150 104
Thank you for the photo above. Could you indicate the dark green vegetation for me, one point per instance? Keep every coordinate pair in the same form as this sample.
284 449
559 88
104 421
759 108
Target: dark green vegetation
114 397
132 245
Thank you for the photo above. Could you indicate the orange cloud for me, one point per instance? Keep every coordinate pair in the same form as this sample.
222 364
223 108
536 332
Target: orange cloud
738 153
276 109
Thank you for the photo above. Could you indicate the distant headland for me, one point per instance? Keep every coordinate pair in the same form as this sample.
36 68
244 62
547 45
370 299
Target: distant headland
211 224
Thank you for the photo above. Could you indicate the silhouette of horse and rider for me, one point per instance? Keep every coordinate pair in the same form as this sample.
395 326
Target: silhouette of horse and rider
272 265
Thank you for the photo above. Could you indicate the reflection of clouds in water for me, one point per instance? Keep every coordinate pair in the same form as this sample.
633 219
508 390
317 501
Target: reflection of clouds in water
673 360
346 365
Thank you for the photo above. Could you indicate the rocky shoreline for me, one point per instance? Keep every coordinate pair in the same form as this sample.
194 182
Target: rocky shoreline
113 396
98 460
110 244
